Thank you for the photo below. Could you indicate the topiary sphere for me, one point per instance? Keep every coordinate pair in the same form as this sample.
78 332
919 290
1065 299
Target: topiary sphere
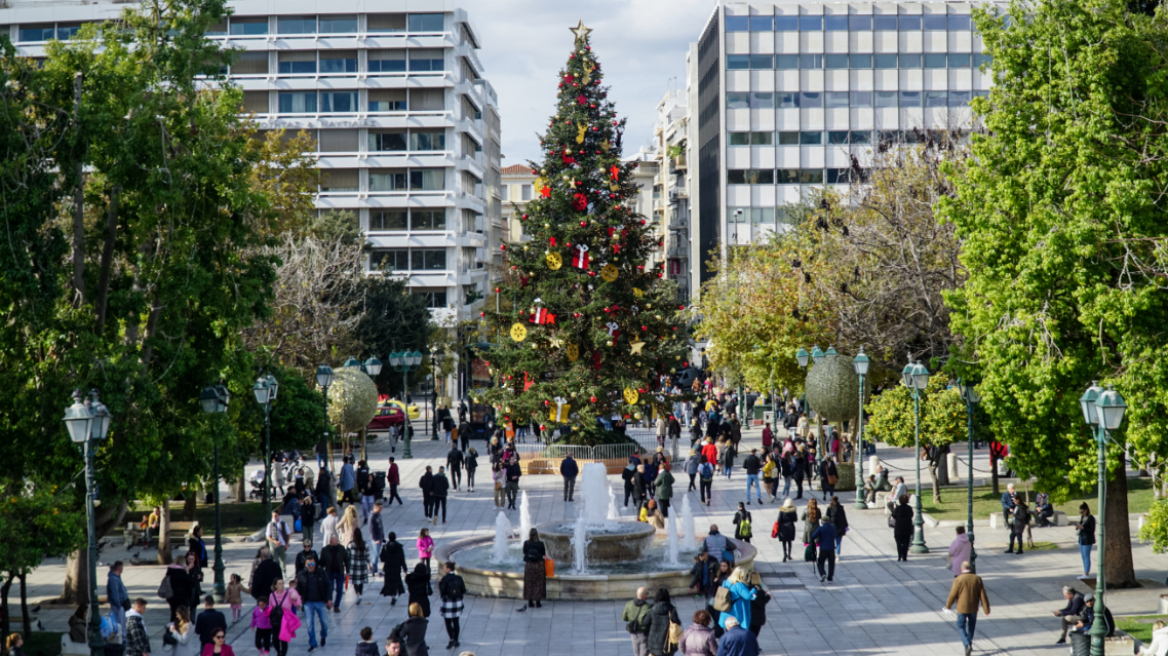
833 389
352 400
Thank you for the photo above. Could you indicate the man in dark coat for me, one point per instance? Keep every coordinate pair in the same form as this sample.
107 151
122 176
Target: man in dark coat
454 462
427 485
335 562
737 641
313 587
393 560
265 574
439 488
463 435
393 478
209 621
305 553
1072 613
513 474
569 470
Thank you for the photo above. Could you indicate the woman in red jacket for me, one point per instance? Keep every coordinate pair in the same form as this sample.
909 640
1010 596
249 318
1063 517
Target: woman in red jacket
218 645
710 452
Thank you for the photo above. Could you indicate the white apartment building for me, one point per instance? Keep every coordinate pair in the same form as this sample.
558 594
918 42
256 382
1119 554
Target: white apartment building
783 94
670 135
393 94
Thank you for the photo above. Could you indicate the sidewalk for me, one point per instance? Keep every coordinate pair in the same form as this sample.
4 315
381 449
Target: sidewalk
875 605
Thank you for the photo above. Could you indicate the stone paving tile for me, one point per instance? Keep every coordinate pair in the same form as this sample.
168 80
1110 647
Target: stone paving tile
875 606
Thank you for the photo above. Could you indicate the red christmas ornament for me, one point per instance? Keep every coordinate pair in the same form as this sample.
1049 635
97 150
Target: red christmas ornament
568 161
542 427
640 390
482 314
626 416
502 247
579 202
545 191
534 172
580 99
592 399
642 221
524 217
681 307
575 315
644 328
592 273
660 275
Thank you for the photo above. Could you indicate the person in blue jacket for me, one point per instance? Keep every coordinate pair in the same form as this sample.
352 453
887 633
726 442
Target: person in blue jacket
824 536
741 594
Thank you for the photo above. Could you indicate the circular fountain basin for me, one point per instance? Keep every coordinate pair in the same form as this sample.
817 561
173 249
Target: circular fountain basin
612 542
611 581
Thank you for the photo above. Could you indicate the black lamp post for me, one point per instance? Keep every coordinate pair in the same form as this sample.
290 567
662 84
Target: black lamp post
860 364
972 398
265 390
916 377
404 362
214 400
89 423
325 378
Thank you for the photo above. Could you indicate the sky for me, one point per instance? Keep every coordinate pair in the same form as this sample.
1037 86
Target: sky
641 46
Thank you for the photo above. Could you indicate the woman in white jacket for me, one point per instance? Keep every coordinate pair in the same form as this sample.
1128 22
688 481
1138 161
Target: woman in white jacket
184 633
1159 646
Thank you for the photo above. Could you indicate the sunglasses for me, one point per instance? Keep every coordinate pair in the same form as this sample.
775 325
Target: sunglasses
219 637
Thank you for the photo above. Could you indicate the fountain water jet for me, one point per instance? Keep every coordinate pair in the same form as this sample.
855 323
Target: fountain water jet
580 546
524 516
613 509
672 560
689 542
503 532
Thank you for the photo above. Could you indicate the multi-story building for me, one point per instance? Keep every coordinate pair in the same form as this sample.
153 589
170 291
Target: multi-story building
518 187
406 128
670 135
785 93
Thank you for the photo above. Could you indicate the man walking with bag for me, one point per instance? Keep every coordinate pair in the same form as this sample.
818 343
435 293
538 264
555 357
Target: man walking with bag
633 617
969 593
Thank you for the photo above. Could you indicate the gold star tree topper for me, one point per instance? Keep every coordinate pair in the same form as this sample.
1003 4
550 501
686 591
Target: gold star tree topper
580 31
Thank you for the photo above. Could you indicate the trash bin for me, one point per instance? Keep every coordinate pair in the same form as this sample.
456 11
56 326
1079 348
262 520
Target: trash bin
379 483
1080 644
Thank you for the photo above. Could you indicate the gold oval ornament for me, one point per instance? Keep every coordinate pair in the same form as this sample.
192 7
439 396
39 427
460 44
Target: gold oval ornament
573 352
631 396
554 261
609 273
518 332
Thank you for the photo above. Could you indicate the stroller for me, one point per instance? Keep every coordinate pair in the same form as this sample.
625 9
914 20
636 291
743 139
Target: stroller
256 481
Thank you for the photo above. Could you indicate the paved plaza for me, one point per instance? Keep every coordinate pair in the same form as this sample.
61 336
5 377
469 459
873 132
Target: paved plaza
875 605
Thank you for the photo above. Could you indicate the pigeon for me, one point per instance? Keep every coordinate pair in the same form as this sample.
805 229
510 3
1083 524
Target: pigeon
40 627
36 609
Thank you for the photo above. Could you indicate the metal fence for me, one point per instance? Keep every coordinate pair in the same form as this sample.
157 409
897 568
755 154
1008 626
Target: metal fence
560 451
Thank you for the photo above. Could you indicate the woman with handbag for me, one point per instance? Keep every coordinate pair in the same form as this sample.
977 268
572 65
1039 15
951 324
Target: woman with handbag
810 519
281 612
724 572
788 517
839 519
182 634
658 625
534 570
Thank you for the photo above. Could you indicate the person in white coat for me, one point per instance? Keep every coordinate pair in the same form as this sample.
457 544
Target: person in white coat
1159 644
183 631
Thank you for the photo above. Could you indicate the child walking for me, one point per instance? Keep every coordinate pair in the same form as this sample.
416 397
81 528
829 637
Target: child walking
234 597
262 627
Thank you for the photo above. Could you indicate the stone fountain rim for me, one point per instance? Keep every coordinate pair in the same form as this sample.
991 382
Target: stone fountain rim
643 530
446 551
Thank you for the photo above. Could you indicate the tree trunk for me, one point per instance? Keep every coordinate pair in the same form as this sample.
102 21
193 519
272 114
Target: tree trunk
164 534
1117 532
994 472
190 504
241 488
76 587
5 625
24 616
943 465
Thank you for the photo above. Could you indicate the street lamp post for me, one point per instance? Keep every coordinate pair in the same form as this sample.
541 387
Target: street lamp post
1104 410
916 377
435 363
324 378
972 398
371 368
265 390
88 423
214 400
404 362
860 363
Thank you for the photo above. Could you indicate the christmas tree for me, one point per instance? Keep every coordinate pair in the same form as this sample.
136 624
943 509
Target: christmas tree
590 328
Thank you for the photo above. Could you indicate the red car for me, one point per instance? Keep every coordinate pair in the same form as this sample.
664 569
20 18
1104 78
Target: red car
387 415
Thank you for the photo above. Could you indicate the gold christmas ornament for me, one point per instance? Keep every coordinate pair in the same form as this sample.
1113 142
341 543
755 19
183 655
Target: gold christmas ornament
573 352
631 396
609 273
554 260
638 293
518 332
636 347
581 128
352 400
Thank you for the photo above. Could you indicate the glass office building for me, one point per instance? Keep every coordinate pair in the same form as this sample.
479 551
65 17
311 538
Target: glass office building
405 127
786 97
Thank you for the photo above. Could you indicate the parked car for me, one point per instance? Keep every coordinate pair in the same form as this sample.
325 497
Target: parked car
391 413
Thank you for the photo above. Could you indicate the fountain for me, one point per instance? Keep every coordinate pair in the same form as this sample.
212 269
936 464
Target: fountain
502 534
614 513
524 517
687 526
598 556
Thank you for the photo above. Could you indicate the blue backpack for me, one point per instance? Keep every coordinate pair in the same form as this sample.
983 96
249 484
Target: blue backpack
706 471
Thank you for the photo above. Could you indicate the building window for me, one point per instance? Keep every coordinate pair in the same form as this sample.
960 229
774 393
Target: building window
979 59
737 62
911 99
959 22
387 220
255 102
884 23
810 99
811 176
338 102
910 61
959 60
762 62
299 102
505 192
750 176
427 179
886 99
66 31
935 60
427 259
340 180
338 141
835 23
390 259
425 60
788 138
426 23
959 98
787 99
297 62
762 24
296 25
835 62
811 23
249 26
338 24
786 23
525 192
836 99
811 138
737 100
885 61
860 98
811 61
387 61
434 300
45 32
936 98
837 138
786 62
762 138
427 100
385 23
383 142
428 219
762 100
788 176
909 23
935 23
737 23
387 100
860 61
387 180
860 137
338 61
250 63
860 23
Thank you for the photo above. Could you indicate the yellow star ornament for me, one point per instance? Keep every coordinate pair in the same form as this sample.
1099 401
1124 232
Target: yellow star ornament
636 348
580 31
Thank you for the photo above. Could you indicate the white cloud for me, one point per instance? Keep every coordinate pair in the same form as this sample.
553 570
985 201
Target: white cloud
641 44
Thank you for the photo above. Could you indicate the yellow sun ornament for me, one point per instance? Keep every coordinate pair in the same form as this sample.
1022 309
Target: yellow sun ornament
609 273
631 396
573 352
518 332
554 260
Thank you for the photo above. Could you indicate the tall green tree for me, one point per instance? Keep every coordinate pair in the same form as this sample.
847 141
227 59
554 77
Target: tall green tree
1061 214
609 340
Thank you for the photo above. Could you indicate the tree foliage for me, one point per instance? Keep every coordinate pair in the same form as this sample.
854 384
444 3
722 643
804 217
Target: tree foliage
584 204
1061 214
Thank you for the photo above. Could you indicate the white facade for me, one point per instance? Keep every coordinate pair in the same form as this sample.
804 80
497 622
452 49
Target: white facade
407 129
671 188
788 95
